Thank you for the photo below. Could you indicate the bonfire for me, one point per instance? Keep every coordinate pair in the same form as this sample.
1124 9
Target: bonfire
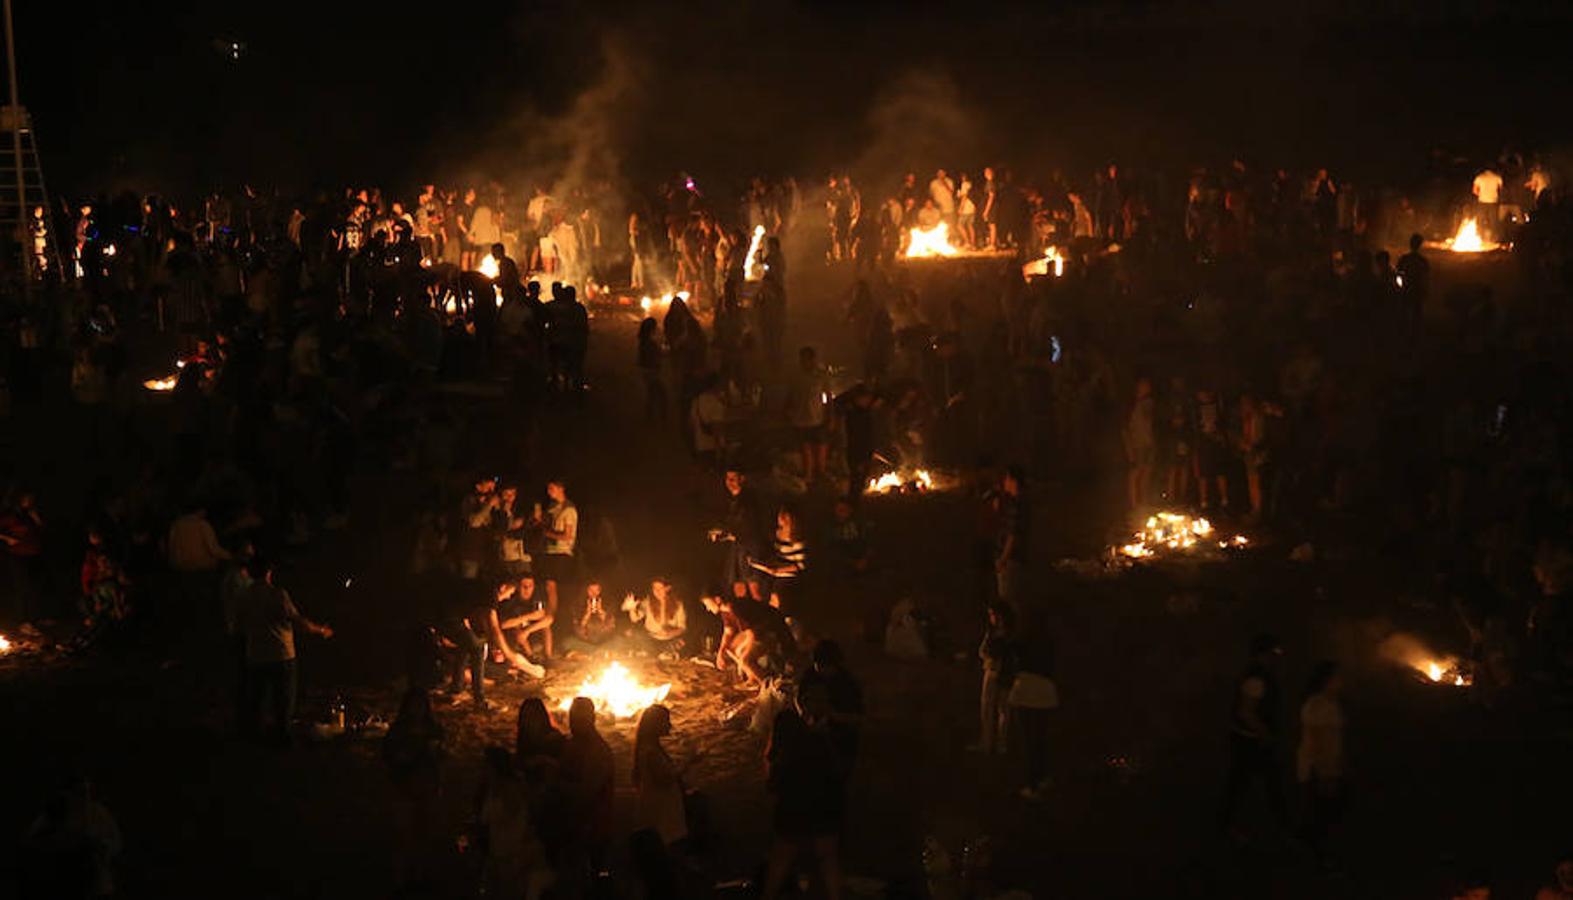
927 243
617 692
915 481
1172 533
1468 240
488 266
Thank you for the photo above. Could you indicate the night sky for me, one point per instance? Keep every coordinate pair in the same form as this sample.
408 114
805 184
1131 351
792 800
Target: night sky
146 96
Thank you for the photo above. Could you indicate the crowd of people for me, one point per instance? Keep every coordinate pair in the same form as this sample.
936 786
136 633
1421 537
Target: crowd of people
1243 344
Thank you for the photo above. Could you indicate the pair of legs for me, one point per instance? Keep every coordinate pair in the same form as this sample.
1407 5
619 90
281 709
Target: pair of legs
1209 475
464 652
991 714
783 852
272 684
1251 760
1137 482
815 452
740 650
1033 726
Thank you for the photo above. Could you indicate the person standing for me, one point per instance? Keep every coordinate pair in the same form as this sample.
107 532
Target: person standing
942 190
413 751
1319 762
268 618
1032 698
1010 556
587 772
560 527
997 652
1141 444
807 776
657 779
808 401
1487 189
1253 735
1414 284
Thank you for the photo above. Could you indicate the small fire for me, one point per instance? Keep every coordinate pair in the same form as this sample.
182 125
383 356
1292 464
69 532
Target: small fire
451 307
1468 239
488 266
497 292
1446 671
5 644
1052 259
618 692
162 385
659 304
918 480
1175 532
930 242
752 269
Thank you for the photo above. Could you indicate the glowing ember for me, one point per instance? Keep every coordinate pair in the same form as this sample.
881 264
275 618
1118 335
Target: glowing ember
1052 259
753 270
618 692
917 480
930 242
162 385
1468 239
487 266
1172 532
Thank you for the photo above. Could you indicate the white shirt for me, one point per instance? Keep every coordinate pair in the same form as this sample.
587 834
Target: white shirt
810 396
1321 749
563 518
1487 185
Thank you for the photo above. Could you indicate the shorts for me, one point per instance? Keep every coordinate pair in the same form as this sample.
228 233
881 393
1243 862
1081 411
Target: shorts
811 434
558 567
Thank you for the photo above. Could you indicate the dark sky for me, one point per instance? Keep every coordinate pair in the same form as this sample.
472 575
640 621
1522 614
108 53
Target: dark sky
127 94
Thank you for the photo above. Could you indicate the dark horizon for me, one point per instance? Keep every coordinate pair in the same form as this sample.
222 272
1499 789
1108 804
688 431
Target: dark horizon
322 97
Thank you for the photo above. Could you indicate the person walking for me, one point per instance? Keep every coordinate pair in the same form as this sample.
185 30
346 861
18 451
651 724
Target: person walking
1319 763
1253 735
268 618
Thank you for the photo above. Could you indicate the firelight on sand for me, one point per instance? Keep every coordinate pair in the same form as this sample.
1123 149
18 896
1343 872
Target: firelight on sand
618 692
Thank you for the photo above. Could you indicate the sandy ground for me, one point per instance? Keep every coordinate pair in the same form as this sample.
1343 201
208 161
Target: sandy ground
1439 786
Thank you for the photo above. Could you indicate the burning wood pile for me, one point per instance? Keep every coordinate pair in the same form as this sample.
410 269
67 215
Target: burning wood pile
1178 535
617 692
914 481
1052 263
1446 671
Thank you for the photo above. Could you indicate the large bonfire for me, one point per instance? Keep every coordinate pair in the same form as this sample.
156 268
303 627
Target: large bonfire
617 692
